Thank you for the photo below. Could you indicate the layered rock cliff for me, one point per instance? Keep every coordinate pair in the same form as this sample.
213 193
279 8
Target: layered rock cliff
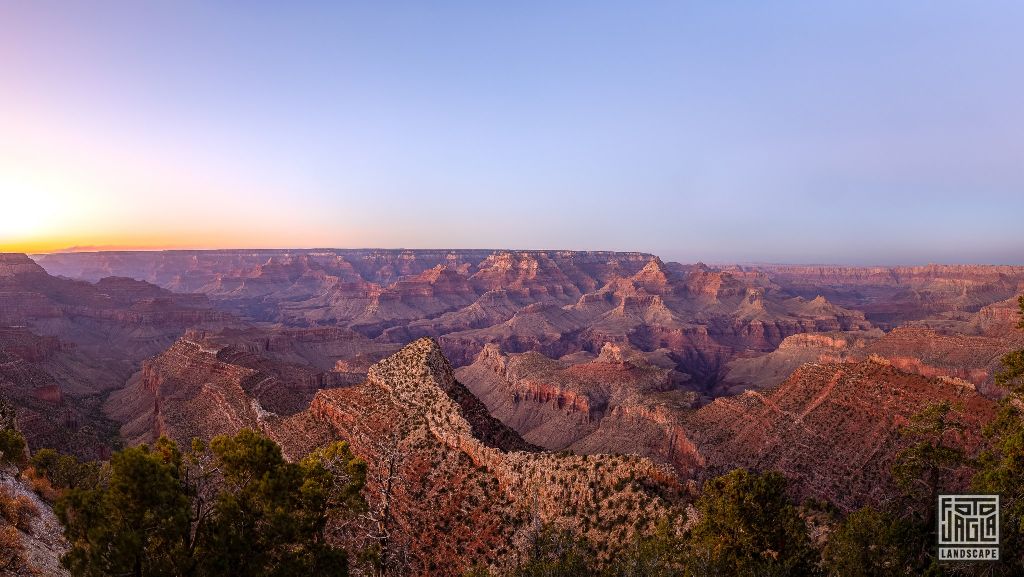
552 302
621 401
480 477
893 295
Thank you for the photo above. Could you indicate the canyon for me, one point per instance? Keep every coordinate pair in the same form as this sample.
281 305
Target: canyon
498 389
66 344
575 350
553 302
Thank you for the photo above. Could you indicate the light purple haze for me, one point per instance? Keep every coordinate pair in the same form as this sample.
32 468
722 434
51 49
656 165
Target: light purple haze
848 132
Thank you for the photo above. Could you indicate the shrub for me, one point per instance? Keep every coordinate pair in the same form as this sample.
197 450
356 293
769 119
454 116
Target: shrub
12 446
17 510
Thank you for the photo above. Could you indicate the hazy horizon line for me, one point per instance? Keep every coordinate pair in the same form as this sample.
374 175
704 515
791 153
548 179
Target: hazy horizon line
714 263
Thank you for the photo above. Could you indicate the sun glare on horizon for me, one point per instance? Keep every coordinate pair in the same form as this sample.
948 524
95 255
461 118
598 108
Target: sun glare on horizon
27 219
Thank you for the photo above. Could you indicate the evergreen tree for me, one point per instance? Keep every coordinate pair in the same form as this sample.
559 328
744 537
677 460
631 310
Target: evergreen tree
655 555
65 471
927 467
929 464
237 507
748 527
135 523
556 553
870 543
270 515
12 446
1001 472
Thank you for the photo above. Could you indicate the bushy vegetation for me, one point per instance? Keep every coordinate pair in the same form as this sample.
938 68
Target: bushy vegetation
235 507
16 514
748 526
870 543
16 511
12 446
1001 465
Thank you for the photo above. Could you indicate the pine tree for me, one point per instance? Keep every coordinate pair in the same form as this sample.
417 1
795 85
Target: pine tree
236 507
748 526
870 543
135 522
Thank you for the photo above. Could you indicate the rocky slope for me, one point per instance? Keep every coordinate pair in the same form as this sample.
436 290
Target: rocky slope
31 536
832 428
972 355
702 317
203 388
500 484
620 401
39 533
370 289
768 370
561 302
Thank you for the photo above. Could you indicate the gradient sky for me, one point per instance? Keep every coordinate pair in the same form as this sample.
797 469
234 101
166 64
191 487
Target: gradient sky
847 132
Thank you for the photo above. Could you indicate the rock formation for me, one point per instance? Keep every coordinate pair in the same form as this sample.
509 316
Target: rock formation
465 487
621 401
552 302
40 534
831 428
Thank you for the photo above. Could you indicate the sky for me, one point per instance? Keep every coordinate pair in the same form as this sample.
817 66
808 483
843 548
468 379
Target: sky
848 132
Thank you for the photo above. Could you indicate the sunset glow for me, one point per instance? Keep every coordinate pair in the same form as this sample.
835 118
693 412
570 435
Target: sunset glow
708 132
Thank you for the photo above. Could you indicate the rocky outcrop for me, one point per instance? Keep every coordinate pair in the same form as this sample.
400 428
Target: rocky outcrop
767 370
465 488
33 537
704 318
29 346
973 358
30 296
472 476
66 343
202 388
1002 320
50 412
930 352
341 355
